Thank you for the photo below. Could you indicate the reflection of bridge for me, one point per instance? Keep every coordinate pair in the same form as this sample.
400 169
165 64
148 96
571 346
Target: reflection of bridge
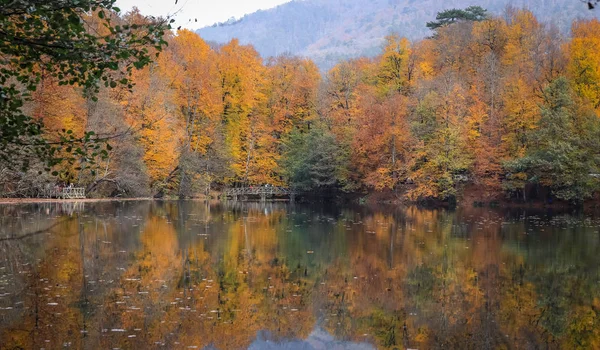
65 192
264 192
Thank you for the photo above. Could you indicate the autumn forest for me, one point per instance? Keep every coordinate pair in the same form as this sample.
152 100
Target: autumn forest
505 105
443 193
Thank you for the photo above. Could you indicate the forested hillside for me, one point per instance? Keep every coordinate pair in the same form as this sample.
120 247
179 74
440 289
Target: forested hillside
329 30
505 103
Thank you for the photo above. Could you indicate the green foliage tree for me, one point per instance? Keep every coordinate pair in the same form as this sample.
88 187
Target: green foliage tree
442 161
562 154
446 17
441 166
313 160
76 42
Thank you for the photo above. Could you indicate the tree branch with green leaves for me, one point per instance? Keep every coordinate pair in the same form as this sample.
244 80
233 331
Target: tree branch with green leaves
84 43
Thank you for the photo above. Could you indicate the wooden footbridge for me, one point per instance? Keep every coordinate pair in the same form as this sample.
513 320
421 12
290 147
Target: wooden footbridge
65 192
262 192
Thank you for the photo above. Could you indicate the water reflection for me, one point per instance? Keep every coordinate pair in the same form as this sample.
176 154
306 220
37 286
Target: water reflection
196 275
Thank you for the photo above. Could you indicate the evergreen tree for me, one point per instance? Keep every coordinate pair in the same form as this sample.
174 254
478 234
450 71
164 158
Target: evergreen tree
446 17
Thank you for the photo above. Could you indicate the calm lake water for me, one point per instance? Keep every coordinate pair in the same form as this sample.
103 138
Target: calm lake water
189 275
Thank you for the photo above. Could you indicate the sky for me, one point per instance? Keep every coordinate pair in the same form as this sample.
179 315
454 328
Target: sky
206 12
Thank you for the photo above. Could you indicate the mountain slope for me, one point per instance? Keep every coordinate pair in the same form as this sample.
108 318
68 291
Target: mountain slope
329 30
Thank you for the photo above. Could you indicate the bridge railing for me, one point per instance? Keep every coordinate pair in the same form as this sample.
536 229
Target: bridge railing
73 192
65 192
262 191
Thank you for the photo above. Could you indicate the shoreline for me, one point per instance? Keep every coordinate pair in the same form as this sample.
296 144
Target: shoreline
4 201
471 196
593 204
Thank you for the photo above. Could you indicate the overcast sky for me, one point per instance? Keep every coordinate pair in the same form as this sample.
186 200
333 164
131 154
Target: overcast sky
206 12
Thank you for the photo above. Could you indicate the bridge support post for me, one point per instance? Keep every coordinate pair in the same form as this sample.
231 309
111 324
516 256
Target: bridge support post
263 197
292 197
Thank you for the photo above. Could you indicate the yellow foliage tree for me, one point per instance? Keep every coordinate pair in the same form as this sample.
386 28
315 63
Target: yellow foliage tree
584 63
242 81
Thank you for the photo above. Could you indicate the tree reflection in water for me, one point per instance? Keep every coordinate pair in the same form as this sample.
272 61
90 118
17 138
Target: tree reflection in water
193 274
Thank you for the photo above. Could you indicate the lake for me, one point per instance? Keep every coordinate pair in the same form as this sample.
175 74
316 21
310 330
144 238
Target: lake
194 275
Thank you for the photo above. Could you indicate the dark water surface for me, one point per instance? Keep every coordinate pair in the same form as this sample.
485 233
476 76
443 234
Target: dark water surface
186 275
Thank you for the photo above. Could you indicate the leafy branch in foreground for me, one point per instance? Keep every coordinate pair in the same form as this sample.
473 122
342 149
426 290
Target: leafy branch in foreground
591 3
75 42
